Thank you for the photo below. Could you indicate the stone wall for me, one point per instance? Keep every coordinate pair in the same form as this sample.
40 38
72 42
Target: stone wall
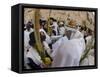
80 17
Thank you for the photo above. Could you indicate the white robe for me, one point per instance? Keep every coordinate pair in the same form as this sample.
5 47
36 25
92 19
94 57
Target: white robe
67 52
76 35
62 30
33 54
26 44
55 27
46 47
26 38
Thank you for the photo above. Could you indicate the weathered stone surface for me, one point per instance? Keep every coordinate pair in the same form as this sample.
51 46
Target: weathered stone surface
80 17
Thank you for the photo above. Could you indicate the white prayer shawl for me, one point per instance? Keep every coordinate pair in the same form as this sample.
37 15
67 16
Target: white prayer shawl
62 30
76 35
48 39
46 47
67 52
26 37
79 36
55 27
33 54
83 32
56 37
26 43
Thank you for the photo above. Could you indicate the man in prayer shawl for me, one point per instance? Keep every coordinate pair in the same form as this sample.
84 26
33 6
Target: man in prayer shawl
26 42
43 23
54 25
42 29
61 28
45 44
67 50
34 59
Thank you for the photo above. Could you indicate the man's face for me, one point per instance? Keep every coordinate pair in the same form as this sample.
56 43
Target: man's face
51 22
42 36
61 25
68 33
43 23
28 27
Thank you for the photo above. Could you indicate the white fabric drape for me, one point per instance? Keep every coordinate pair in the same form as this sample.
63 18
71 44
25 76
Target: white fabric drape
67 52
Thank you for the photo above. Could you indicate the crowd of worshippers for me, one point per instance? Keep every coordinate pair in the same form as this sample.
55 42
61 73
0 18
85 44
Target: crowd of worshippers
64 46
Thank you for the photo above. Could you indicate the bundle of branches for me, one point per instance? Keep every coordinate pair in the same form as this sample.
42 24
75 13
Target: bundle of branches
39 45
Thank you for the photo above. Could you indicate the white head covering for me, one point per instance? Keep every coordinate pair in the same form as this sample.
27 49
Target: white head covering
48 39
61 23
67 52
